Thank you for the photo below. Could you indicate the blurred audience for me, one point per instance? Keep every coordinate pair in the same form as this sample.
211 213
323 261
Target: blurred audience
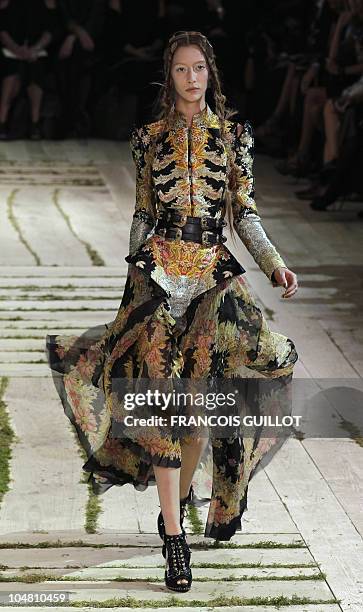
92 68
313 118
82 21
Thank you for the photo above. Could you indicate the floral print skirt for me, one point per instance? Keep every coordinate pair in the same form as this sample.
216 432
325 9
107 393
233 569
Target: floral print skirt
221 332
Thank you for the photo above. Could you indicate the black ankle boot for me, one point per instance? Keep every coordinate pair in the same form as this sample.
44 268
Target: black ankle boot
177 562
183 510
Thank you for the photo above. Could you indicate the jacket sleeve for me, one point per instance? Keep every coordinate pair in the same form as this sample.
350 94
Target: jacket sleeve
144 217
246 220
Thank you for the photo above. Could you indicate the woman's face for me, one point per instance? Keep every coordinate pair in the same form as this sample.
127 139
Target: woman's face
189 72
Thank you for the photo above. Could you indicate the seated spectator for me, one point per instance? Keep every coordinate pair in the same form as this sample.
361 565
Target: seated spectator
340 68
302 70
343 113
347 176
275 35
111 41
83 24
132 48
26 33
320 99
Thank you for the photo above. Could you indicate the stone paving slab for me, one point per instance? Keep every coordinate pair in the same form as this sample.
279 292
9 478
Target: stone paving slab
67 305
102 573
21 344
9 238
49 237
326 528
121 183
43 167
9 357
202 591
293 608
59 294
125 557
35 336
97 220
93 184
27 320
126 509
33 173
91 317
319 354
265 511
231 556
350 343
120 538
25 335
30 174
261 515
139 510
48 282
30 370
344 477
45 491
61 152
76 271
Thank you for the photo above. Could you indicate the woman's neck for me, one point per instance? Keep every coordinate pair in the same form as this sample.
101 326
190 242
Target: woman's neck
189 109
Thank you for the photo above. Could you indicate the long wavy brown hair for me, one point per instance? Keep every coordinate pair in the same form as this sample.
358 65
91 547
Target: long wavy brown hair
165 102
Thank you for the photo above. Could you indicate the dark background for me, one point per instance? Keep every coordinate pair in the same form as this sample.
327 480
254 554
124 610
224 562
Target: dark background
292 67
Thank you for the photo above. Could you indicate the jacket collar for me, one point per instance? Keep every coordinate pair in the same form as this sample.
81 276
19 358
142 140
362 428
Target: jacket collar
204 118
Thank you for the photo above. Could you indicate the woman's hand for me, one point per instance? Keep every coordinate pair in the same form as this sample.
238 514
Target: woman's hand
85 39
285 278
22 52
33 53
66 49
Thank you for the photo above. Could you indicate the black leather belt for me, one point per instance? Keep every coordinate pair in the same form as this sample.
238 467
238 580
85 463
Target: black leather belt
205 230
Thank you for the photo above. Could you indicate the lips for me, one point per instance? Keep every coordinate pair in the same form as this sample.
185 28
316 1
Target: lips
193 89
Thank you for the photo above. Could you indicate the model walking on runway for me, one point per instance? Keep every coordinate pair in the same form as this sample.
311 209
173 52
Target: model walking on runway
186 311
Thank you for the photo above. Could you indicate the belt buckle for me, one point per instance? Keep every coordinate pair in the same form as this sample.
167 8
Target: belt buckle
182 220
205 240
178 233
204 223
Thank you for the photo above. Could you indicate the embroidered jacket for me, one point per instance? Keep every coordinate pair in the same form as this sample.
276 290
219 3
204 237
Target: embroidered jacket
184 169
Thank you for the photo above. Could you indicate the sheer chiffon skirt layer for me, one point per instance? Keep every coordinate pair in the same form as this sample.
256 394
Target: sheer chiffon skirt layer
221 331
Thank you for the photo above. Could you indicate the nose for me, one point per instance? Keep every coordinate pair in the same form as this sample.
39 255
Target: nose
191 75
